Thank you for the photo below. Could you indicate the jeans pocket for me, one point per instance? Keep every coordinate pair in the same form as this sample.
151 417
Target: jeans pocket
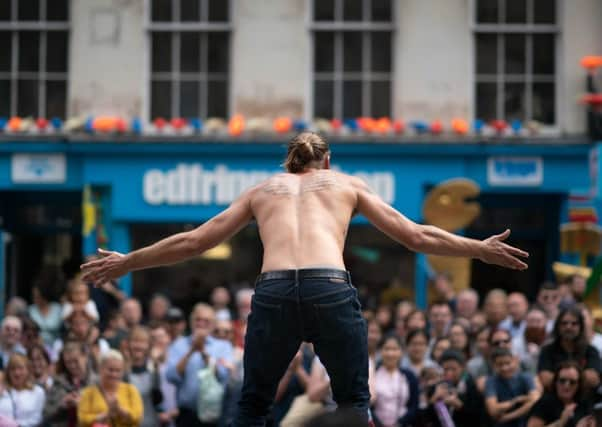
265 320
336 318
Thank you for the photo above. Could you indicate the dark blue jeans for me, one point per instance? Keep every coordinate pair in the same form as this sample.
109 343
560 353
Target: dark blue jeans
315 305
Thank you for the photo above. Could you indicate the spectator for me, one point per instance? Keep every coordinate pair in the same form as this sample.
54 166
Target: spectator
459 339
10 339
439 347
187 355
397 392
564 405
517 313
44 312
458 391
440 317
243 307
81 328
30 335
416 319
564 289
467 303
115 331
375 336
577 285
509 394
132 312
161 340
224 330
495 307
144 374
220 300
548 297
528 344
403 309
444 289
498 338
111 401
78 299
72 376
22 400
569 343
157 308
176 323
416 357
481 354
16 306
40 366
593 337
478 321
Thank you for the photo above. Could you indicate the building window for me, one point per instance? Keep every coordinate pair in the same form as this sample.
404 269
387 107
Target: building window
352 56
190 58
34 46
515 52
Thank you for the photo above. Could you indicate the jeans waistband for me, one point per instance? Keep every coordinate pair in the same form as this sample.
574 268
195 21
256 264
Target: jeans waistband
305 273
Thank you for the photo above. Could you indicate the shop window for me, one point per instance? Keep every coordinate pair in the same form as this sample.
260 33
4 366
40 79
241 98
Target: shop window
34 46
190 58
352 57
515 57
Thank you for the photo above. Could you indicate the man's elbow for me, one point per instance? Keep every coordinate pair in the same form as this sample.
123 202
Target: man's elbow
416 239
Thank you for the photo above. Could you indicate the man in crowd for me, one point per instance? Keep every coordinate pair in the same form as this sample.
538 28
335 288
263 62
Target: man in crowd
10 339
517 312
220 300
444 289
440 317
132 312
187 355
467 303
527 344
303 217
548 297
157 308
495 307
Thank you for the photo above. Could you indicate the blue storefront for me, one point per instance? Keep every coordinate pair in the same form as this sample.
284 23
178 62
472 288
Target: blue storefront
115 186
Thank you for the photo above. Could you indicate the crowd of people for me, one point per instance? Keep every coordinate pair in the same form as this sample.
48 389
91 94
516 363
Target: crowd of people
95 357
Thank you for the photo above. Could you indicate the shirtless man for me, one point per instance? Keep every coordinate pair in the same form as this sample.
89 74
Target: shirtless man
304 292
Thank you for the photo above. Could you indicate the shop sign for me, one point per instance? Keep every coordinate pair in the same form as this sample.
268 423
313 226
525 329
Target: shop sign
515 171
194 184
27 168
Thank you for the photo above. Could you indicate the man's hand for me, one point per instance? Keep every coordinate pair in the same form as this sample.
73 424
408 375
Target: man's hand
110 266
495 251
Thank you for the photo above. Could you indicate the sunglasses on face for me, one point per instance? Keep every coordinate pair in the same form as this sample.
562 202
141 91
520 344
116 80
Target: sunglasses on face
567 381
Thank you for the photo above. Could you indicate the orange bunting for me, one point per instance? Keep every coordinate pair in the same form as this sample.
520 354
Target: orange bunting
236 125
282 124
591 62
367 124
460 126
382 125
14 124
107 124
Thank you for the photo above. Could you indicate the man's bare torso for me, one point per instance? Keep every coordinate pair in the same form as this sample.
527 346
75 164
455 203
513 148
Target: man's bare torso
303 219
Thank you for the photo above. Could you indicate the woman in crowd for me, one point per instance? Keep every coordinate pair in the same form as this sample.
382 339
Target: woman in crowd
439 346
416 358
564 406
43 311
22 400
81 328
41 366
396 389
459 339
112 401
416 319
71 377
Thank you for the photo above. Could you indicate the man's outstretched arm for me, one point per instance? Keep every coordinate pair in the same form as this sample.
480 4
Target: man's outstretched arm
172 249
433 240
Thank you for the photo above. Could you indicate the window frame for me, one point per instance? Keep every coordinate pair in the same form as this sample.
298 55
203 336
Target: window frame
41 28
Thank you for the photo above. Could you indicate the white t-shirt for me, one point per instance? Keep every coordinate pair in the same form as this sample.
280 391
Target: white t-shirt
23 406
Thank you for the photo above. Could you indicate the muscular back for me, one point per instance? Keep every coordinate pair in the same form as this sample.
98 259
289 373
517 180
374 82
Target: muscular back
303 218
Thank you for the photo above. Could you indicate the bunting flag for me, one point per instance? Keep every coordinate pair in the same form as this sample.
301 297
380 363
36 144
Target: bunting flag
88 212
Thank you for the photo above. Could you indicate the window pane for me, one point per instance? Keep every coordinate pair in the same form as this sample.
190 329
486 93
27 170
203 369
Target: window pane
160 99
161 10
381 51
29 55
218 52
219 10
515 56
5 98
217 99
381 99
56 51
544 107
516 11
56 99
190 52
352 10
544 53
190 10
28 10
514 101
323 51
5 10
5 50
486 101
381 10
487 11
324 10
161 52
189 99
352 51
352 98
323 99
27 98
487 47
57 10
544 11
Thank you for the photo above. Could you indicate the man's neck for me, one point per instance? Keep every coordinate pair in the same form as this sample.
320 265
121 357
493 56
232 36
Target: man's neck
567 345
